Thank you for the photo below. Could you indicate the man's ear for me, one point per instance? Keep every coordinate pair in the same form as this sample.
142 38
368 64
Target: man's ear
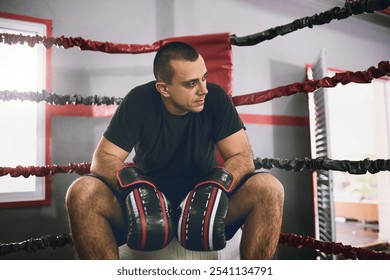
163 89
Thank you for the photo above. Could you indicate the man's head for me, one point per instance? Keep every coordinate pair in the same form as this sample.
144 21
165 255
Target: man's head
181 78
162 67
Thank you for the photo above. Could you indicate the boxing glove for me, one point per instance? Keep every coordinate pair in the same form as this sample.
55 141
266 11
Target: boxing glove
202 214
149 213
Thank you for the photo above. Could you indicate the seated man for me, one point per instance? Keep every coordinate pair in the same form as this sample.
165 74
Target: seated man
175 124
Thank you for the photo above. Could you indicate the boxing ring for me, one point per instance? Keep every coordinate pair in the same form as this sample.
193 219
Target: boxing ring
221 74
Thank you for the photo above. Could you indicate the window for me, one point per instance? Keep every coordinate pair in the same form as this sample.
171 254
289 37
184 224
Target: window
354 125
22 124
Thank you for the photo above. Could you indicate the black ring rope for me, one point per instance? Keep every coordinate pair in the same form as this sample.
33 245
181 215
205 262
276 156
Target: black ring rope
57 99
351 167
34 244
349 9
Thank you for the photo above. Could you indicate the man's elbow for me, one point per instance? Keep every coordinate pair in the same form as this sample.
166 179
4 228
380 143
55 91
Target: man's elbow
250 164
94 167
96 164
247 162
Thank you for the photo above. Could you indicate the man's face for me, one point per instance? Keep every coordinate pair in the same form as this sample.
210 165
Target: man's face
187 91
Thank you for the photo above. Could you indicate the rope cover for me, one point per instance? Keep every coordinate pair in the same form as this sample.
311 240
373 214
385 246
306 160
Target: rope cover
349 252
43 171
34 244
366 76
352 167
293 240
309 86
350 8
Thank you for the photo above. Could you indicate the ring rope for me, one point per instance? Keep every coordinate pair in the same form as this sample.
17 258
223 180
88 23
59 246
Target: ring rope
34 244
304 87
82 44
344 78
293 240
352 167
349 252
43 171
56 99
350 8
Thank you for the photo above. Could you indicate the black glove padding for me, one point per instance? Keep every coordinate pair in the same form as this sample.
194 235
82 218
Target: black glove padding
202 214
149 213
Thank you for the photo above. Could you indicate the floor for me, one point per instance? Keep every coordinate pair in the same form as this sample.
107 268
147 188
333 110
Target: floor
356 233
359 234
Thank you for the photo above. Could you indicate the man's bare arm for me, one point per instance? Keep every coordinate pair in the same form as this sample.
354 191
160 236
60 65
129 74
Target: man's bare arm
237 155
107 159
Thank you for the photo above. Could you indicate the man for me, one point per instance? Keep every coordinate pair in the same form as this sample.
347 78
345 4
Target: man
175 125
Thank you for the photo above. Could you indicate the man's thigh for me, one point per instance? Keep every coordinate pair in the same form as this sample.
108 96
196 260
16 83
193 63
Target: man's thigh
237 211
117 221
248 193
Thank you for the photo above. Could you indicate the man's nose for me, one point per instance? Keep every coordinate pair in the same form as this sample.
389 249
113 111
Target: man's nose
203 88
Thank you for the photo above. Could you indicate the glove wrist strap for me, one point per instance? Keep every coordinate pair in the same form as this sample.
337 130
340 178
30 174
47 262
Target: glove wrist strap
130 176
220 177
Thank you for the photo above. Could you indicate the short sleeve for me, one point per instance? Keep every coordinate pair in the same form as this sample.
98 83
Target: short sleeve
124 127
225 118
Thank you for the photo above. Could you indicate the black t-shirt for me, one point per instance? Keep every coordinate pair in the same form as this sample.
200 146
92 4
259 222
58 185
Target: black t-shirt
172 149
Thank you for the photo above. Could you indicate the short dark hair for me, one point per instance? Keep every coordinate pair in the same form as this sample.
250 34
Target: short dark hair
162 68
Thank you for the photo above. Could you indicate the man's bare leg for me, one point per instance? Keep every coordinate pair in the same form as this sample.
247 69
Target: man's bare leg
260 203
92 211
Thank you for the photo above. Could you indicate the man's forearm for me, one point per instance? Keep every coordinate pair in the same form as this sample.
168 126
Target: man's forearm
106 166
239 166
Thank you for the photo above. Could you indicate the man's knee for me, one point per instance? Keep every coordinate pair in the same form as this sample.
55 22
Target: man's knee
90 195
261 191
268 182
82 191
265 187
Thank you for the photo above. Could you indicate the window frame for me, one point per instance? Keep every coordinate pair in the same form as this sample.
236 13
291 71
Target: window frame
30 198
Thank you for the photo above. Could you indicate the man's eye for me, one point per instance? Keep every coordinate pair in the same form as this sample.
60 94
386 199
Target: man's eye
192 84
